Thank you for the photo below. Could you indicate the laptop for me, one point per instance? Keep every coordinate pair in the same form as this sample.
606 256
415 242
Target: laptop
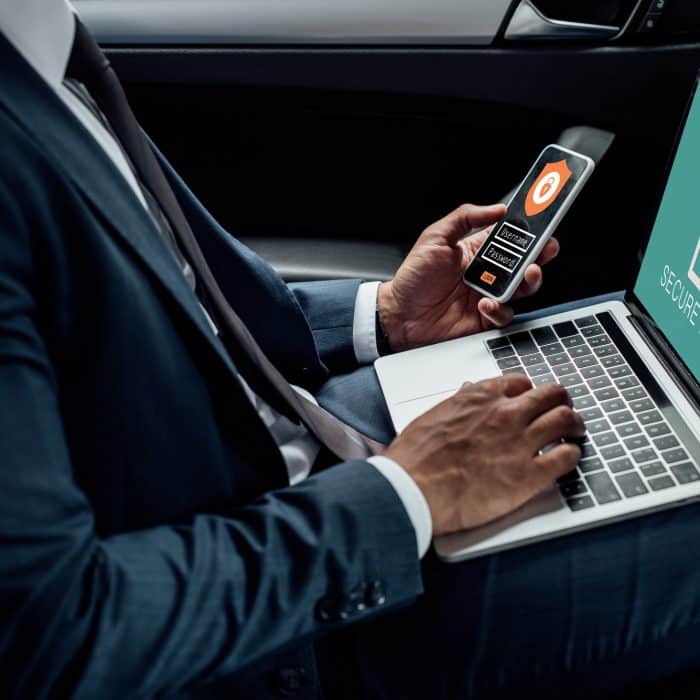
631 367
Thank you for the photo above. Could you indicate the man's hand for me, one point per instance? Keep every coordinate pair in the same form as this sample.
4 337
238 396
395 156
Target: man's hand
427 301
475 456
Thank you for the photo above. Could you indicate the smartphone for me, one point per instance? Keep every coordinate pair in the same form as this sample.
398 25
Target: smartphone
534 213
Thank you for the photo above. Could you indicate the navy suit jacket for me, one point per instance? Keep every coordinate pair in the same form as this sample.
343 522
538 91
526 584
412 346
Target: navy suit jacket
146 547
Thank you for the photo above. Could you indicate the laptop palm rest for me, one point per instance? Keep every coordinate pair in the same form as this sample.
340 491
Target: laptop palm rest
527 522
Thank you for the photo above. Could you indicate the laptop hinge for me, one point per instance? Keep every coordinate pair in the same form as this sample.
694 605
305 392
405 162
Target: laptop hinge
658 345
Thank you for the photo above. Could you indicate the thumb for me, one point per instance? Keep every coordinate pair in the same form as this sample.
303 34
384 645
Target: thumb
462 221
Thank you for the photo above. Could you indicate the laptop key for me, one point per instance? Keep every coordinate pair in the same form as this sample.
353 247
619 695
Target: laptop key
685 473
598 340
500 353
570 380
591 372
498 342
543 379
677 455
636 392
508 362
565 329
605 350
590 414
636 441
559 359
649 417
603 487
592 464
621 465
544 335
584 402
538 370
612 452
657 429
579 351
535 359
631 485
523 343
603 439
578 390
613 405
612 361
580 502
607 393
646 455
621 417
627 429
586 321
552 349
642 405
586 361
652 469
573 341
562 370
587 451
590 331
575 488
626 382
620 371
597 426
599 382
514 370
661 482
666 442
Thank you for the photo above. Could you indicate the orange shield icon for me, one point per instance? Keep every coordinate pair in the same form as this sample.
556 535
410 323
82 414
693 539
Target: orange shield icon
547 187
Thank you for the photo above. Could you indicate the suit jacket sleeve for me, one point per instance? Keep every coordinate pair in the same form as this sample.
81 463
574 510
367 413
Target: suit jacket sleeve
145 613
330 309
322 311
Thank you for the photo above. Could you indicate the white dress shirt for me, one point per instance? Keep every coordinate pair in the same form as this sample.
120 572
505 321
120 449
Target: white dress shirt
42 31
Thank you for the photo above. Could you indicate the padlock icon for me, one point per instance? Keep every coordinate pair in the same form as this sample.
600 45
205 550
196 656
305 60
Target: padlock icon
547 186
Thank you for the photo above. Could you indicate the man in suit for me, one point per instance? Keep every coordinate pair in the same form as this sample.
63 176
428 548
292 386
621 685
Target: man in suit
166 398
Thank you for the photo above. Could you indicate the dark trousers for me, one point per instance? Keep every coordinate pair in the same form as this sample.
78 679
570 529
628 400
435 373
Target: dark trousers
585 615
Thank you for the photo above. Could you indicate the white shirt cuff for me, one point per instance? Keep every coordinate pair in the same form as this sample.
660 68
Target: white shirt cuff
364 328
412 498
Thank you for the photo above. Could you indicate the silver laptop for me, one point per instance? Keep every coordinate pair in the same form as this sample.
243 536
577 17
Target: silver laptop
632 369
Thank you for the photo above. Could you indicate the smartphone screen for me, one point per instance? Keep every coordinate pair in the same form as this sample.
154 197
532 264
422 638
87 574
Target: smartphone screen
509 246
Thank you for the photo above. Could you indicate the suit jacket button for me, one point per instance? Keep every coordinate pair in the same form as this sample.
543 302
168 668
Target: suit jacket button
375 594
290 681
326 610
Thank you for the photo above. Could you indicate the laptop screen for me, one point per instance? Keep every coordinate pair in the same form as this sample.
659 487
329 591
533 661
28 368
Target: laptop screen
668 284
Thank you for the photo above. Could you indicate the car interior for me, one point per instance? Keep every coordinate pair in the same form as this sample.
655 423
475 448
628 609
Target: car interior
327 135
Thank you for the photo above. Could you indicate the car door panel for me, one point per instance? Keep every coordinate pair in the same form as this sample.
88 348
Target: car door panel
218 22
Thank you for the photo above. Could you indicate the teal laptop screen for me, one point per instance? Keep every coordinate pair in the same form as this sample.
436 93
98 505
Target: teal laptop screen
669 280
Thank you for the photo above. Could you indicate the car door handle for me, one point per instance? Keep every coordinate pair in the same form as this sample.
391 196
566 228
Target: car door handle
529 24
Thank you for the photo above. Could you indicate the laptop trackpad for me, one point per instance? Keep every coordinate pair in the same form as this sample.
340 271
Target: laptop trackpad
402 414
433 370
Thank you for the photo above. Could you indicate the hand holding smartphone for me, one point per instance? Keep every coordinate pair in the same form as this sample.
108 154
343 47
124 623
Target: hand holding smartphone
534 212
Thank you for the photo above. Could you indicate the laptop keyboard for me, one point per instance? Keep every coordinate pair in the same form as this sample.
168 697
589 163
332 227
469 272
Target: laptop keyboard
630 448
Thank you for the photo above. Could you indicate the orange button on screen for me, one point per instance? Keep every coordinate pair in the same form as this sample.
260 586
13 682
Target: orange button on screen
487 277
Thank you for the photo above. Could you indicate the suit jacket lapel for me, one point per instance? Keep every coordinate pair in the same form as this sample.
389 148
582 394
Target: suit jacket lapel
41 112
